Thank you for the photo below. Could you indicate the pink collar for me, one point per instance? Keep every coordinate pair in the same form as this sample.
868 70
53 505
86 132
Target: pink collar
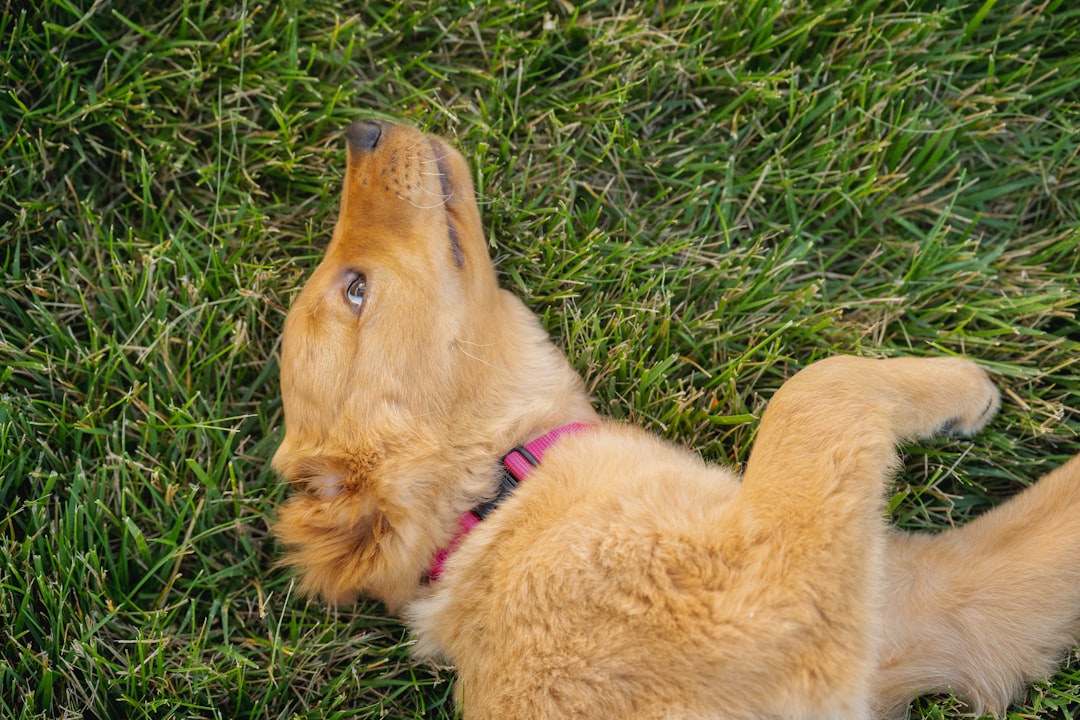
517 465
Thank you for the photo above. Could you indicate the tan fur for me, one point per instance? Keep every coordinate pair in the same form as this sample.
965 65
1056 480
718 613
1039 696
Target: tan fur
627 578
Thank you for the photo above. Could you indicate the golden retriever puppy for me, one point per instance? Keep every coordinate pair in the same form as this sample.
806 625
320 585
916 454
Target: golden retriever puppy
446 460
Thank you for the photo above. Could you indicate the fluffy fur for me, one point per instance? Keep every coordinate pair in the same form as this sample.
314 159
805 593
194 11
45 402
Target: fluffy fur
627 578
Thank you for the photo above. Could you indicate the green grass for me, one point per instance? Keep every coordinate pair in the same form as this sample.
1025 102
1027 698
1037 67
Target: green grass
698 198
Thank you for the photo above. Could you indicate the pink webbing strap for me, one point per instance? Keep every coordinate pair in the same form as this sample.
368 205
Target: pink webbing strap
520 465
520 462
465 523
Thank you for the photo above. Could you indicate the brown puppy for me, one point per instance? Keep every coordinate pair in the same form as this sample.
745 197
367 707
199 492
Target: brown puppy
627 578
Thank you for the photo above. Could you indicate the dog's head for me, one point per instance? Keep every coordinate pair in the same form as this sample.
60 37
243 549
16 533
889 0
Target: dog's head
405 372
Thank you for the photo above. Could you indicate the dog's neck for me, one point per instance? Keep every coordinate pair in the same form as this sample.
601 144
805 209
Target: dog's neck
515 467
521 386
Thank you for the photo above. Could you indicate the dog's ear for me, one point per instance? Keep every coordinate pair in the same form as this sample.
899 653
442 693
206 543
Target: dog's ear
333 529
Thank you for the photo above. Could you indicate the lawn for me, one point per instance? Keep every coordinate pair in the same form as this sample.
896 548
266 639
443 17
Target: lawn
697 198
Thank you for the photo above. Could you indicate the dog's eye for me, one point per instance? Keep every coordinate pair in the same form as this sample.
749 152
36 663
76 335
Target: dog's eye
356 290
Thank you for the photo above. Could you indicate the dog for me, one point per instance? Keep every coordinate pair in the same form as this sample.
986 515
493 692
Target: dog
446 460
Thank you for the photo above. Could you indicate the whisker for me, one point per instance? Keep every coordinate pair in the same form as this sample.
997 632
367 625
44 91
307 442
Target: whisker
479 360
427 161
445 198
442 195
441 203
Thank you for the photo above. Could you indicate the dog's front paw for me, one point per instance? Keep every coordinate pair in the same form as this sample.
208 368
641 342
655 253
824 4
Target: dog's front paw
972 397
918 397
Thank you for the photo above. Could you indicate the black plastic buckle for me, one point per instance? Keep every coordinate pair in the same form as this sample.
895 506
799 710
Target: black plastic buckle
507 484
520 449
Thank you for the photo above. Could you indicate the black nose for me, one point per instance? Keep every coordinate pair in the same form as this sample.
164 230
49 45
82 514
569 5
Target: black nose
363 135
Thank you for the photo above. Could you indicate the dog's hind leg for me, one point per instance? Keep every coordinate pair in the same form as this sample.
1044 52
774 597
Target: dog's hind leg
983 609
812 495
